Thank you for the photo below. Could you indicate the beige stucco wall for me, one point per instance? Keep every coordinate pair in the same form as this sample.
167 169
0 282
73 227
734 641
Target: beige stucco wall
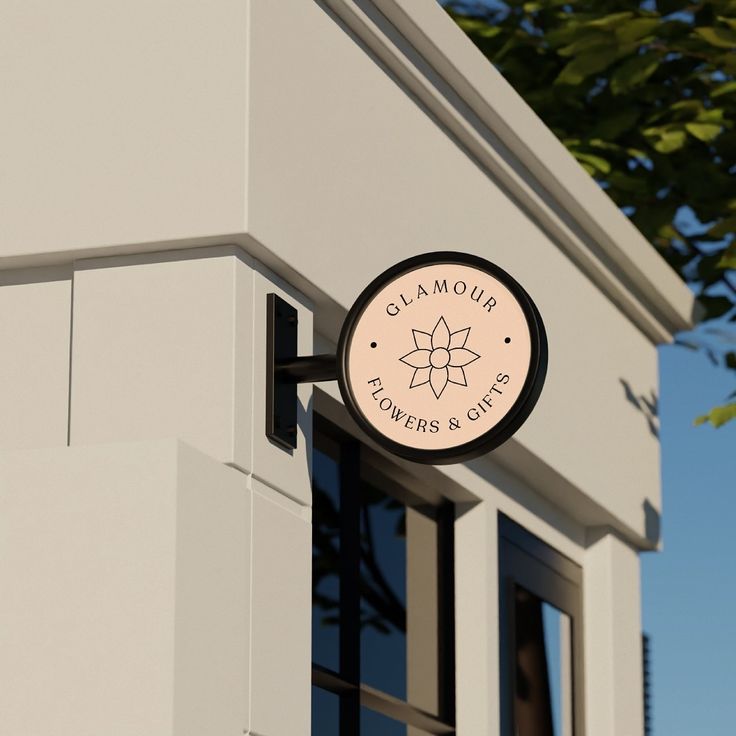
122 123
35 325
140 581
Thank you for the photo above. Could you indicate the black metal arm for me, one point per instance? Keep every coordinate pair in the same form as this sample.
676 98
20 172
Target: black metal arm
308 369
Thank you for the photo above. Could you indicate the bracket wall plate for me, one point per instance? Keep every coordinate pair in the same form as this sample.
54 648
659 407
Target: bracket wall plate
285 370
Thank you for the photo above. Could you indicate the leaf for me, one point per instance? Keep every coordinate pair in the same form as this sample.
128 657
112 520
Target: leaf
731 22
650 219
712 115
707 270
564 34
721 229
637 153
597 162
715 306
588 63
612 126
478 28
725 63
628 183
718 416
609 21
668 138
728 259
669 6
724 89
585 43
636 29
604 145
689 107
723 38
705 132
634 72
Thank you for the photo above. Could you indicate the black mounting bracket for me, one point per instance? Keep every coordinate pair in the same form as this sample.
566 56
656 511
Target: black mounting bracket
284 371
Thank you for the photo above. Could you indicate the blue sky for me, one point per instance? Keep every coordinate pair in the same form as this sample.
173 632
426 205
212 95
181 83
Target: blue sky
689 589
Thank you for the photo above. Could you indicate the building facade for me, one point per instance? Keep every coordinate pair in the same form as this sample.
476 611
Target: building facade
166 569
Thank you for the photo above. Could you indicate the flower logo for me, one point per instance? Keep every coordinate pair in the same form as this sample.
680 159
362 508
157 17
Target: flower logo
439 357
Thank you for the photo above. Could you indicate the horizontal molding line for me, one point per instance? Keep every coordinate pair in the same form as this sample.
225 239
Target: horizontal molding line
497 158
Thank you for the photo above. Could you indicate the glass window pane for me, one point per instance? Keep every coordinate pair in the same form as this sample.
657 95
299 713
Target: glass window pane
543 688
325 559
379 558
325 713
383 592
557 646
376 724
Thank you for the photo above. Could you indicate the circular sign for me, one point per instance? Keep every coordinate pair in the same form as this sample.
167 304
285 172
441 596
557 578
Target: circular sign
442 358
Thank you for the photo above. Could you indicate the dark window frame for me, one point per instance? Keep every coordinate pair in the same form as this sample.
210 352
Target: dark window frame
353 694
527 561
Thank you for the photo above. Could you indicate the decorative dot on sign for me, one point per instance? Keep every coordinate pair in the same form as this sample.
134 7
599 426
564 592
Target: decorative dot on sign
374 344
507 340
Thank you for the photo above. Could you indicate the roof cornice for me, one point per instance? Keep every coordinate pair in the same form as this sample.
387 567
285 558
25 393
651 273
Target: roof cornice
433 58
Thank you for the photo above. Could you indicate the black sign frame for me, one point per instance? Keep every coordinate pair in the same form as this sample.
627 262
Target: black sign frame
521 408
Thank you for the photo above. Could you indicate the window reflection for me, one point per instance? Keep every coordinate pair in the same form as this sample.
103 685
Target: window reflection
558 649
383 592
325 713
325 559
543 692
376 724
382 600
399 549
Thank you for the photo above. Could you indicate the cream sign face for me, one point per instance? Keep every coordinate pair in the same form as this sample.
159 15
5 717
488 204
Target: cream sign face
442 358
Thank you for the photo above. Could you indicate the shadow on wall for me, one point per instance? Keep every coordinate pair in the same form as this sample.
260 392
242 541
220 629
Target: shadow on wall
646 405
23 276
652 523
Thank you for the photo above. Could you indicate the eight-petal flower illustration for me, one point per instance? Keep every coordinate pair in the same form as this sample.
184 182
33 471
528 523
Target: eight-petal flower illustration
439 357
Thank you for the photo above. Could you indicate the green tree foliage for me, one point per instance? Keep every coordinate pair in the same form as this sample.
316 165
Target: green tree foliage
643 94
